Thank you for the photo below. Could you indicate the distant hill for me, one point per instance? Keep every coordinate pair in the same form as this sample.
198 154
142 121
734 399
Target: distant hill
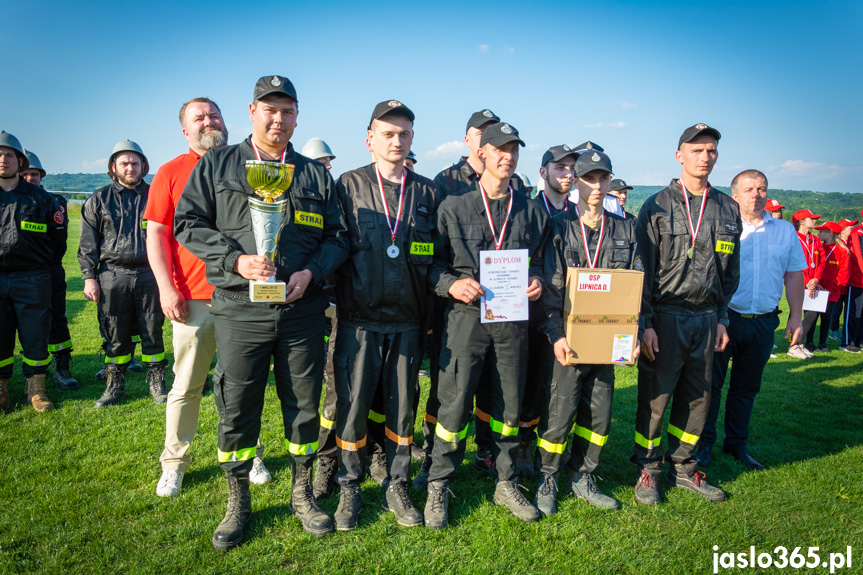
832 206
79 182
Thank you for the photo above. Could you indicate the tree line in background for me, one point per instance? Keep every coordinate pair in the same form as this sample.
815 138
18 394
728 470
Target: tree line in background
832 206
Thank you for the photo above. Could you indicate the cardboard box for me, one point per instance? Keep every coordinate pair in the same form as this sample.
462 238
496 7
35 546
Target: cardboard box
601 310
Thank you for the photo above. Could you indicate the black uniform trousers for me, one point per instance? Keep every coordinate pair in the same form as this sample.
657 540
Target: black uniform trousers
130 297
582 394
468 348
750 348
680 374
483 393
808 328
59 338
377 413
851 335
369 363
836 316
25 307
823 320
540 356
248 336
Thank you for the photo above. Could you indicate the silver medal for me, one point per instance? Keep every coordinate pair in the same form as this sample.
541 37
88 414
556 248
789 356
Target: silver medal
393 251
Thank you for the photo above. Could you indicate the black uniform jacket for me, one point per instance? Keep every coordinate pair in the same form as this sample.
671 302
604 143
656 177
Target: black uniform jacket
618 250
461 175
113 232
463 231
212 221
374 291
672 281
60 249
32 228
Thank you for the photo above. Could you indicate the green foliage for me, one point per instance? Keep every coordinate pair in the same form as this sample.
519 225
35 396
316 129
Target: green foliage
78 490
79 182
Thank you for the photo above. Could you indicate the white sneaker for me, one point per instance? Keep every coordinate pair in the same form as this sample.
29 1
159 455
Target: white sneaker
806 351
259 475
798 352
170 483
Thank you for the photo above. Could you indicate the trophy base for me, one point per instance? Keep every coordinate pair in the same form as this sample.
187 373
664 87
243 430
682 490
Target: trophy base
269 292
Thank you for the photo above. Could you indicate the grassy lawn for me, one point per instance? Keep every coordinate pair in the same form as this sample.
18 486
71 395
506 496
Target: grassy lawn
78 489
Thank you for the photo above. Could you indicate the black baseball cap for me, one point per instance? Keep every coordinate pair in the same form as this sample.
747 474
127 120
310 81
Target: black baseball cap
618 185
481 118
557 153
279 85
588 145
391 107
500 134
593 160
692 132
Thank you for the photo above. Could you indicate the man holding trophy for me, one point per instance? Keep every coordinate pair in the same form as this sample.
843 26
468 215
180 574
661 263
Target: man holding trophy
266 221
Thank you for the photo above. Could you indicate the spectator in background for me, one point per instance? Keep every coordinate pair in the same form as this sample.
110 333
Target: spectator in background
834 277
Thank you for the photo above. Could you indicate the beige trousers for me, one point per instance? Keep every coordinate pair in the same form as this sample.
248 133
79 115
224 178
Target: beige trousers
194 349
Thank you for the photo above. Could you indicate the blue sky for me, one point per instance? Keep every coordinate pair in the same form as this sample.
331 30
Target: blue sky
781 80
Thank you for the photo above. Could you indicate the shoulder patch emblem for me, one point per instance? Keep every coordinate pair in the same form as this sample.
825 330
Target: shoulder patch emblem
394 103
638 265
595 157
58 216
276 82
506 129
487 113
700 126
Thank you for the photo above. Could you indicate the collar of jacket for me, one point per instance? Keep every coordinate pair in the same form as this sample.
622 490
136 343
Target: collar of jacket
675 185
246 145
120 188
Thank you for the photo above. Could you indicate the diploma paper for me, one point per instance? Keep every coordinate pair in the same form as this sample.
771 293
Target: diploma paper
818 303
504 277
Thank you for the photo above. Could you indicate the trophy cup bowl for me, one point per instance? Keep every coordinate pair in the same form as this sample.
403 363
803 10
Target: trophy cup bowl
269 180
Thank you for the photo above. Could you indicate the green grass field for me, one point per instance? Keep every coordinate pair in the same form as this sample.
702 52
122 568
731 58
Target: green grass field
78 486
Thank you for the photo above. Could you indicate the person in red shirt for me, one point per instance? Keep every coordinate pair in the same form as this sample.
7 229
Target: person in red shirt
185 295
852 332
775 208
835 276
835 332
813 249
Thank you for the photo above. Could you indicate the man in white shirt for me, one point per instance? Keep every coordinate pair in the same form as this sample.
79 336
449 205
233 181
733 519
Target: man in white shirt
770 255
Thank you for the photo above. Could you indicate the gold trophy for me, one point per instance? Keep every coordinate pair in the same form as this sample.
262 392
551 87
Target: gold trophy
269 180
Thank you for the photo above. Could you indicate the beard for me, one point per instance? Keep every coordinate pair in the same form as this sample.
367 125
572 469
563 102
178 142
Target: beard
129 182
213 138
557 187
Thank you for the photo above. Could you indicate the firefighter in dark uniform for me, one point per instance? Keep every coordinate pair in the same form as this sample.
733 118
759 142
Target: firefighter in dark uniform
381 296
586 236
620 190
557 172
489 215
31 230
687 235
213 221
117 275
59 338
452 180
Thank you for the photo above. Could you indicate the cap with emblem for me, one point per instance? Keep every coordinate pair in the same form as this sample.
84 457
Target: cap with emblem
617 185
590 161
588 145
391 107
557 153
693 132
500 134
773 205
481 118
846 223
279 85
832 226
412 156
802 215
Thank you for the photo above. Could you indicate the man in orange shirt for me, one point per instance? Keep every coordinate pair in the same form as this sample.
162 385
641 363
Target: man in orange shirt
185 295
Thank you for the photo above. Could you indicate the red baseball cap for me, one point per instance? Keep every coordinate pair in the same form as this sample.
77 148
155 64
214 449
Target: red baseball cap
846 223
832 226
773 205
802 215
